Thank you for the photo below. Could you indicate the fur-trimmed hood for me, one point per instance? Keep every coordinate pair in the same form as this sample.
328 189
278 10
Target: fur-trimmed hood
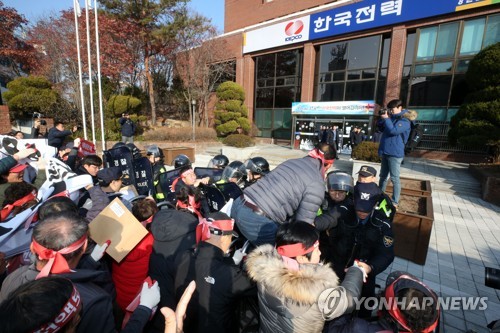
303 287
411 115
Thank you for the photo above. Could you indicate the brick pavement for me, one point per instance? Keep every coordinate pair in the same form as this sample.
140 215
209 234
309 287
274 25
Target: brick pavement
465 235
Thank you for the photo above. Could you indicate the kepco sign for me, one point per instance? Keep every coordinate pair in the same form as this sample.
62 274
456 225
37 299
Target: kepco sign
283 33
293 30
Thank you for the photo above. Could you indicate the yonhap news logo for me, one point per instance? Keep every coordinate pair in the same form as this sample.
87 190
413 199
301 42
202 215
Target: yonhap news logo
332 300
293 30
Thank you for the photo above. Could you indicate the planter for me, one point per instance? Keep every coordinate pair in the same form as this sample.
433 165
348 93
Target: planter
357 164
489 176
412 227
413 187
171 153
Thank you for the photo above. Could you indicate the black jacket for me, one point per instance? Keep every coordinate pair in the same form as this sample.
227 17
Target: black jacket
219 285
372 242
128 126
356 138
174 231
97 312
56 137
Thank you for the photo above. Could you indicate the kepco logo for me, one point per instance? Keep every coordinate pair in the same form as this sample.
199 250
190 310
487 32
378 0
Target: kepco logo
293 30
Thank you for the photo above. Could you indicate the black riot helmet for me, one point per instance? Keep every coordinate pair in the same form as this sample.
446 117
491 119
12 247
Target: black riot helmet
235 169
181 161
136 153
258 165
219 162
340 181
153 150
118 145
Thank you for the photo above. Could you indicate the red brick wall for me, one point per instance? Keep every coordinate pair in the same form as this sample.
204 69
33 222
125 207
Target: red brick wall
5 125
243 13
308 66
396 63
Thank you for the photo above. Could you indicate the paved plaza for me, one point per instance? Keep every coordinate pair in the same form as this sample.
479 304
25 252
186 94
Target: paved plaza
465 235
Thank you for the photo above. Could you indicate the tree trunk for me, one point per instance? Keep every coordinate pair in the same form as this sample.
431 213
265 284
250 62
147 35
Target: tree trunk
151 91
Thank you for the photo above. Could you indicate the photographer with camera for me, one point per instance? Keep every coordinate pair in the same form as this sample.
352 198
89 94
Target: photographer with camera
395 131
58 134
36 123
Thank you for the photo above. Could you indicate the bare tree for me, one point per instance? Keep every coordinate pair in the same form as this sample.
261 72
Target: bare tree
202 62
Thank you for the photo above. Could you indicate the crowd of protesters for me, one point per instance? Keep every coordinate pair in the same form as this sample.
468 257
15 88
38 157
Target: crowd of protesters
289 253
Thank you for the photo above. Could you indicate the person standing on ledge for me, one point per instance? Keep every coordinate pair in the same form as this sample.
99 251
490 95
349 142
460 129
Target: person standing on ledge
58 134
395 132
128 128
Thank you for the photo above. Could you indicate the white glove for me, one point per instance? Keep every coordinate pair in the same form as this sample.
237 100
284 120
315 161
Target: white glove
240 253
150 297
365 275
238 256
99 250
76 142
24 153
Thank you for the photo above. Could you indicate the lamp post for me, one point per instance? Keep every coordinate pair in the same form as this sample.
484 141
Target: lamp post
193 103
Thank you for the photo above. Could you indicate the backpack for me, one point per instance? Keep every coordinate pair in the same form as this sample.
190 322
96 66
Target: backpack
416 135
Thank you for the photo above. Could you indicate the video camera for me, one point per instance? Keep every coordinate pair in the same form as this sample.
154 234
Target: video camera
492 277
38 115
385 111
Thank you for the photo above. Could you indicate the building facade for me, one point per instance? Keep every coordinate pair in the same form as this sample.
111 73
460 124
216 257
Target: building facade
369 50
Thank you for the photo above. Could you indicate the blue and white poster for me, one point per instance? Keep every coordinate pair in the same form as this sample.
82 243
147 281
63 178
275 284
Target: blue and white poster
333 108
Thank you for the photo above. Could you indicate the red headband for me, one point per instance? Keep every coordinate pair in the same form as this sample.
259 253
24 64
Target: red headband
19 203
395 312
295 250
56 264
318 154
192 205
218 227
290 251
66 314
148 220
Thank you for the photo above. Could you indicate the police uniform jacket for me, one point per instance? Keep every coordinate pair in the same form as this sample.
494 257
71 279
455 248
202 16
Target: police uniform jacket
219 285
372 242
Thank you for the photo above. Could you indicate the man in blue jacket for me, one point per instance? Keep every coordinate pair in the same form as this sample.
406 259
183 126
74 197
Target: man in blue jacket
128 128
395 131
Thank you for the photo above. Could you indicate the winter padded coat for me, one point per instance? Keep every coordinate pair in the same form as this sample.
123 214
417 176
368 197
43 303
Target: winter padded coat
396 130
294 189
289 300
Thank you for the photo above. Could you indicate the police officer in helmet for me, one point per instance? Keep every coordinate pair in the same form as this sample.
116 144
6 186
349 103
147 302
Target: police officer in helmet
181 161
257 167
155 157
364 234
218 162
234 172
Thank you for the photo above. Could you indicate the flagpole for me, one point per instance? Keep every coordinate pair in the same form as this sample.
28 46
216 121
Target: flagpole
99 76
76 9
90 72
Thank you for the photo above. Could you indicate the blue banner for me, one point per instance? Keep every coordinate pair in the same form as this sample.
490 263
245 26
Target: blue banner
324 108
372 13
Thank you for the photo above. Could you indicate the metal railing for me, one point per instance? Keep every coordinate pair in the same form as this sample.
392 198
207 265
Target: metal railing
436 138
